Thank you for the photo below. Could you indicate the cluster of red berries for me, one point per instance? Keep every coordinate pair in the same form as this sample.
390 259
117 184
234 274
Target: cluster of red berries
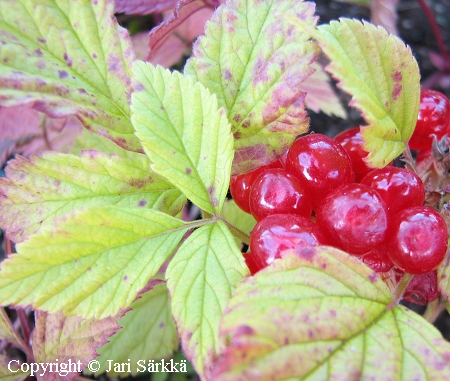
321 192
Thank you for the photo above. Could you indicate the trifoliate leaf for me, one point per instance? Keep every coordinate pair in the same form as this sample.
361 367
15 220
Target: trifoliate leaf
201 278
148 332
13 372
38 190
321 315
69 340
92 264
68 58
381 74
254 61
185 134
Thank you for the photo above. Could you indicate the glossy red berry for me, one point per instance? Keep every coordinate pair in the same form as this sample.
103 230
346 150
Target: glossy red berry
433 119
354 217
399 187
417 239
378 259
320 164
279 232
277 192
240 185
353 143
422 289
253 265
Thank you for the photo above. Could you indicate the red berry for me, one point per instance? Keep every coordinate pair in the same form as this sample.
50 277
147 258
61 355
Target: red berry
279 232
399 188
253 266
422 289
378 259
240 185
277 192
353 143
417 239
354 217
433 119
320 164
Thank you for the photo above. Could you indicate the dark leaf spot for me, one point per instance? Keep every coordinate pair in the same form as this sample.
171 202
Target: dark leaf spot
212 195
38 52
142 203
188 171
244 330
68 60
62 74
125 277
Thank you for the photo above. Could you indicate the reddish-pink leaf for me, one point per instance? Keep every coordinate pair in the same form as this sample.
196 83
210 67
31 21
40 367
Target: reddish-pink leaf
144 7
69 338
384 13
27 131
187 21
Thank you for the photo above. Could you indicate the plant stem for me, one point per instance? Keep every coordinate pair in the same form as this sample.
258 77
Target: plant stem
408 159
237 232
398 293
436 31
434 309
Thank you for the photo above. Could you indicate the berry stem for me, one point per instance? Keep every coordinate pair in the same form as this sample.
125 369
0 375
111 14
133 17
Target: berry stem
399 290
434 309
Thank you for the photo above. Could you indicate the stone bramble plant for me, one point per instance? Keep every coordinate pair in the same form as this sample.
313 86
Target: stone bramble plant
100 239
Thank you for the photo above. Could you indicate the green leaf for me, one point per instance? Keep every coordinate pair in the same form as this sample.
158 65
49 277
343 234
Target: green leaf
49 186
148 332
254 61
87 140
6 374
93 264
443 274
237 218
201 278
322 315
60 338
68 58
381 74
184 133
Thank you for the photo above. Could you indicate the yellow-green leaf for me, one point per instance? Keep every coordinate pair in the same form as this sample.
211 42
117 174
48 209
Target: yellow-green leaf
321 315
184 133
381 74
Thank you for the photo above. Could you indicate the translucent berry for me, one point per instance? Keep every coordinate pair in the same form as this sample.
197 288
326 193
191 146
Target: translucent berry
433 119
277 192
353 143
378 259
320 164
354 217
240 185
253 266
417 239
279 232
399 187
422 289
